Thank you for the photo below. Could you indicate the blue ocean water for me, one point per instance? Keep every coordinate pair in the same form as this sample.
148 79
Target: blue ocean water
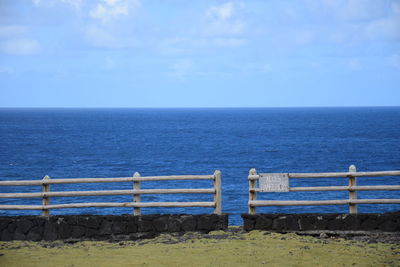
72 143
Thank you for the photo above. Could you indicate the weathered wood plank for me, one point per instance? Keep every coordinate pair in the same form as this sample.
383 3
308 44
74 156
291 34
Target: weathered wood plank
336 174
100 204
259 203
136 197
218 193
107 193
352 193
252 194
106 180
341 188
45 200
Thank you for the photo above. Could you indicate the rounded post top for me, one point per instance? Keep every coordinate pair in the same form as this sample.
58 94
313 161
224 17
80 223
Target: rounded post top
252 171
352 168
46 177
136 174
217 172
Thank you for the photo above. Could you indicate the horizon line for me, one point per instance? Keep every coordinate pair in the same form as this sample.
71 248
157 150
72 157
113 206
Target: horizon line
231 107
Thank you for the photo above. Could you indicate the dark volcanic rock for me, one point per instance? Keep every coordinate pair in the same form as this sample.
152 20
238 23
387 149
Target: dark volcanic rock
94 222
335 224
35 234
50 231
108 227
307 222
91 232
145 226
78 231
161 224
279 223
24 225
321 223
351 222
221 222
292 223
105 228
369 225
18 235
6 235
205 222
387 222
248 224
263 223
388 226
12 226
131 227
174 225
119 227
188 223
4 223
39 220
64 230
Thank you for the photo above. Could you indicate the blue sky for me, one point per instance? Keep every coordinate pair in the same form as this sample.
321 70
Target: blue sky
137 53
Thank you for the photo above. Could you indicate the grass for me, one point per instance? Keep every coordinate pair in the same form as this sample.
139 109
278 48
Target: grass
218 248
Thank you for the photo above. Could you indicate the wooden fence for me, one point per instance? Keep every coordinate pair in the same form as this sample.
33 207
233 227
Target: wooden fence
352 188
136 192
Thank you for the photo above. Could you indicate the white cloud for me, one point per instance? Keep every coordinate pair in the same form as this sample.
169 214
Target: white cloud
111 2
220 27
113 9
223 11
108 13
112 32
221 21
100 37
22 46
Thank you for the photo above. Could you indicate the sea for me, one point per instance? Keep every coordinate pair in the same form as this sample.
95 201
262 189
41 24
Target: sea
86 143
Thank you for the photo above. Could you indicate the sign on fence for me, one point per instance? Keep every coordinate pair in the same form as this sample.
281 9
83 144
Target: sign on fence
274 182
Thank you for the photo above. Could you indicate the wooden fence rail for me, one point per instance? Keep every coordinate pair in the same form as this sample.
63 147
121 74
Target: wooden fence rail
136 192
352 188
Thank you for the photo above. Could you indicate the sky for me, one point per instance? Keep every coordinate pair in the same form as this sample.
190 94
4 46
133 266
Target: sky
176 53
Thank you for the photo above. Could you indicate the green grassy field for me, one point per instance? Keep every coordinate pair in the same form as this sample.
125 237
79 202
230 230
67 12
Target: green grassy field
219 248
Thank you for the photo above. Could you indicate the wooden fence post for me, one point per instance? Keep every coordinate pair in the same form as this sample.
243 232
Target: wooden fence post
252 193
217 193
352 193
45 200
136 197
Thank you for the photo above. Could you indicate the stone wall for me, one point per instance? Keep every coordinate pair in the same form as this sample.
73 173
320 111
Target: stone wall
98 227
386 222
